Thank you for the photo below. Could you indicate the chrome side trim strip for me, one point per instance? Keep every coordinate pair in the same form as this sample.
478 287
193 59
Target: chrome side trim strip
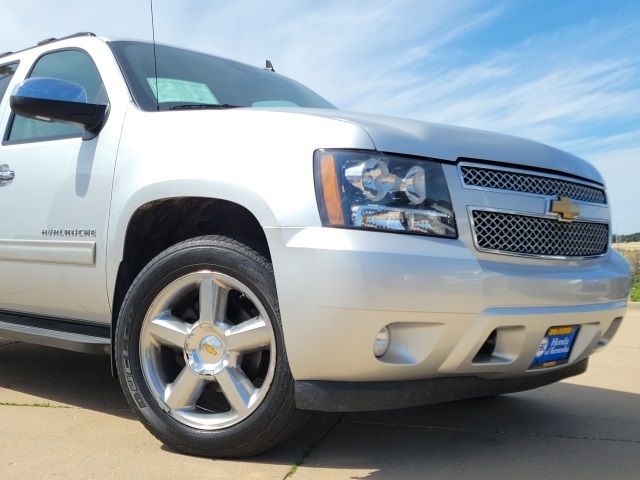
48 251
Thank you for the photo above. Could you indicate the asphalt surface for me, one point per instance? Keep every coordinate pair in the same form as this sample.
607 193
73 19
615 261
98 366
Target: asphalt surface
63 416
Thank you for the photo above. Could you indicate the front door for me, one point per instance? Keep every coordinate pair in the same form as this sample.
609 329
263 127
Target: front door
55 196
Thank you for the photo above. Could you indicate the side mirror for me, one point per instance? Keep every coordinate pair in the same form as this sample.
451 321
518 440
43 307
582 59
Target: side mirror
54 100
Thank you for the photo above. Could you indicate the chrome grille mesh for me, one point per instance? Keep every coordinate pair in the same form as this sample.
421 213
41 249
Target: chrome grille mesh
525 235
522 182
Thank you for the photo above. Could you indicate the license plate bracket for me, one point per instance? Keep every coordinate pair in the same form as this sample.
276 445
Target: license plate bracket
555 348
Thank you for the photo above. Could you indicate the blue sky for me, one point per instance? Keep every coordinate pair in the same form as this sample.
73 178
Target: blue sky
565 73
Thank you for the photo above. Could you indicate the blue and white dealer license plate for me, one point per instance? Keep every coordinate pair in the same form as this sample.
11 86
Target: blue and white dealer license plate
555 347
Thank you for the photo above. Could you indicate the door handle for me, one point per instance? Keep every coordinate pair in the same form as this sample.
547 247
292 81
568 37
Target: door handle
6 175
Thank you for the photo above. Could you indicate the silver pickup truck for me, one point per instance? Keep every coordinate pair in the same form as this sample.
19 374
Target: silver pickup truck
248 253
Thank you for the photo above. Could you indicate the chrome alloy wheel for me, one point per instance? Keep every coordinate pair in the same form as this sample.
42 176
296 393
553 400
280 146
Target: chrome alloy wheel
207 350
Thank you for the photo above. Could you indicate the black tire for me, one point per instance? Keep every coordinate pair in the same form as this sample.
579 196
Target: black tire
274 419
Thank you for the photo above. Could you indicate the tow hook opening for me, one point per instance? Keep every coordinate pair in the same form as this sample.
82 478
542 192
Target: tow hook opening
486 350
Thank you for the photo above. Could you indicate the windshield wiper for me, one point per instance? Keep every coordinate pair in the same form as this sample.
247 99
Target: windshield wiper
204 106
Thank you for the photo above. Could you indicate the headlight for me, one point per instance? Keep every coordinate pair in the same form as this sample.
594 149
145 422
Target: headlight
375 191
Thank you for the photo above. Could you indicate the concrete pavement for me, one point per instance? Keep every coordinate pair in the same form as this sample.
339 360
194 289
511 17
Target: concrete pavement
63 416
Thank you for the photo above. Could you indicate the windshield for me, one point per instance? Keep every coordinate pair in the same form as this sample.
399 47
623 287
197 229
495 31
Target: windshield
191 78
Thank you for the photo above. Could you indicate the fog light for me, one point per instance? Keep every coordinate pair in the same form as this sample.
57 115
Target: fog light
381 343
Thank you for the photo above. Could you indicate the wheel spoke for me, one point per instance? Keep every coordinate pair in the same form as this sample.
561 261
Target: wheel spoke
169 330
184 391
237 388
213 300
248 336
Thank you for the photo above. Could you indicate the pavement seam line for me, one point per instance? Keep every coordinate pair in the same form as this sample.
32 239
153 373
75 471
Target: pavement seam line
312 447
33 405
499 432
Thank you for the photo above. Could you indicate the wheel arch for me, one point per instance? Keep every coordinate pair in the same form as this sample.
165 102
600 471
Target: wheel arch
156 225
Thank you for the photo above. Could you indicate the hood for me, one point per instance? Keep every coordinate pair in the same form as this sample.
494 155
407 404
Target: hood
411 137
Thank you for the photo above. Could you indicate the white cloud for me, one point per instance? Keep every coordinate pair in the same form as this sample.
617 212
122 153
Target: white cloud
345 50
26 22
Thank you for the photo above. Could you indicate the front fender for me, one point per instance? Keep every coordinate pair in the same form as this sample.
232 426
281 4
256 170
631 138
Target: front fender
258 159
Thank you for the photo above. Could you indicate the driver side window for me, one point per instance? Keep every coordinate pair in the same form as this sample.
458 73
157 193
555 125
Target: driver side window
70 65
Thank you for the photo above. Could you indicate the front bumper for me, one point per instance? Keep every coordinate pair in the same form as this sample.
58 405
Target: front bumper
338 288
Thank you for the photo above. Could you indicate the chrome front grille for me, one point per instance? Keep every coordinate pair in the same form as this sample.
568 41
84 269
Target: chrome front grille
524 182
538 236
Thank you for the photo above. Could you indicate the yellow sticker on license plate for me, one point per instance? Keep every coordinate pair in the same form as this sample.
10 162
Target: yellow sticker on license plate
560 330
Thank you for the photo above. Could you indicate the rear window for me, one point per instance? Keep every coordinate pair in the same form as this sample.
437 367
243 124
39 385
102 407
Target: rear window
6 74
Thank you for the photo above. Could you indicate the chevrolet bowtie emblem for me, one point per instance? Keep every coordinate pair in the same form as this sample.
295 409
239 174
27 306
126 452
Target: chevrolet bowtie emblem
564 207
210 349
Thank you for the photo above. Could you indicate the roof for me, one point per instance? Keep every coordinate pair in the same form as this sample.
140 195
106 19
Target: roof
46 41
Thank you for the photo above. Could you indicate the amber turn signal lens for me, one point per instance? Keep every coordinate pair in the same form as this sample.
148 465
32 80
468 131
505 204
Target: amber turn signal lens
331 190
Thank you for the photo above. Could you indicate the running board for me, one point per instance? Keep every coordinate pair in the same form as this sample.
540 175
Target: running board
57 333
